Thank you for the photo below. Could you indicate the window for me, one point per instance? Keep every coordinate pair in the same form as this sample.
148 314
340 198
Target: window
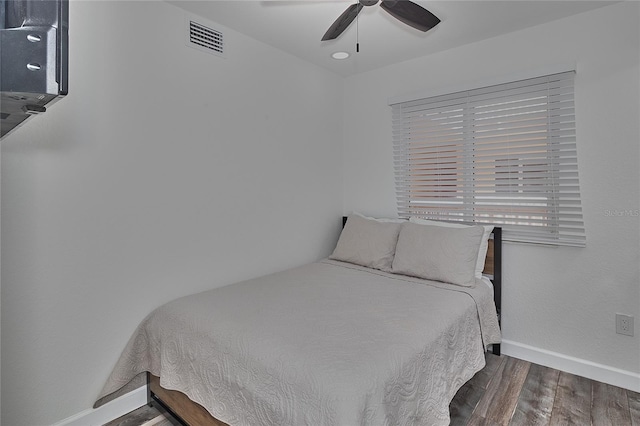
503 155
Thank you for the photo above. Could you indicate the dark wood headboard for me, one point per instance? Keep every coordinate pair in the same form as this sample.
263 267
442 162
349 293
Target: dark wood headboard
492 267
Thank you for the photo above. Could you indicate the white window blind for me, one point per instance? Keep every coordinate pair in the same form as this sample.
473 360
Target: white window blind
503 155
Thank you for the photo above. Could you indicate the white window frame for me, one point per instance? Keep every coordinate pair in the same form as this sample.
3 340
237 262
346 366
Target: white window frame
449 151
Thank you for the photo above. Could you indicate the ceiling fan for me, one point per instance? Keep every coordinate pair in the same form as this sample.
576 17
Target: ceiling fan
404 10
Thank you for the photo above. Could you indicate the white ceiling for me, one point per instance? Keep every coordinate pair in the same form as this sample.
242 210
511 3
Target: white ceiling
296 27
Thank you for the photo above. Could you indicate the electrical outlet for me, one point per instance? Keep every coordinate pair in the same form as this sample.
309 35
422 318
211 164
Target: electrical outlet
624 324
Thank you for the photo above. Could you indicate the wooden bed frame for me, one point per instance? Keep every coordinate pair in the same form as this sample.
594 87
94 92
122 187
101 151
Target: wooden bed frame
184 412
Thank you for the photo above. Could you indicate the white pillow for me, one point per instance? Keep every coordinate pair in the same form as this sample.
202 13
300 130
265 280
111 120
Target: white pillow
439 253
367 242
484 244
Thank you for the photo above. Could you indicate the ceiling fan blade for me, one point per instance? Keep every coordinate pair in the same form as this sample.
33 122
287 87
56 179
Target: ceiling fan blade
342 22
411 14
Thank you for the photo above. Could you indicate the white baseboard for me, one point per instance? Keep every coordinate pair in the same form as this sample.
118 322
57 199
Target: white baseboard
580 367
109 411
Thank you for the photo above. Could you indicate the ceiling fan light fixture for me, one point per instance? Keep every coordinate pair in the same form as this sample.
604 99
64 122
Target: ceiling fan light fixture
405 11
340 55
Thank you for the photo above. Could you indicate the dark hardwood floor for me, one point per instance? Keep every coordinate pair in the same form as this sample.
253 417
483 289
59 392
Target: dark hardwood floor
509 391
144 415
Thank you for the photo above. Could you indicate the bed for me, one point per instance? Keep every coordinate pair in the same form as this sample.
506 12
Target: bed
365 337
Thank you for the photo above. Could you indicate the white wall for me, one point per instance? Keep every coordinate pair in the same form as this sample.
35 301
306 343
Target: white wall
164 172
564 299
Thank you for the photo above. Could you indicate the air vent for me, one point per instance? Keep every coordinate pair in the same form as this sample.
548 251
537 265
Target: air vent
204 38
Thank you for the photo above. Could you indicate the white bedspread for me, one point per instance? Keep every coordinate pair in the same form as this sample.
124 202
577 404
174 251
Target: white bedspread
324 344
